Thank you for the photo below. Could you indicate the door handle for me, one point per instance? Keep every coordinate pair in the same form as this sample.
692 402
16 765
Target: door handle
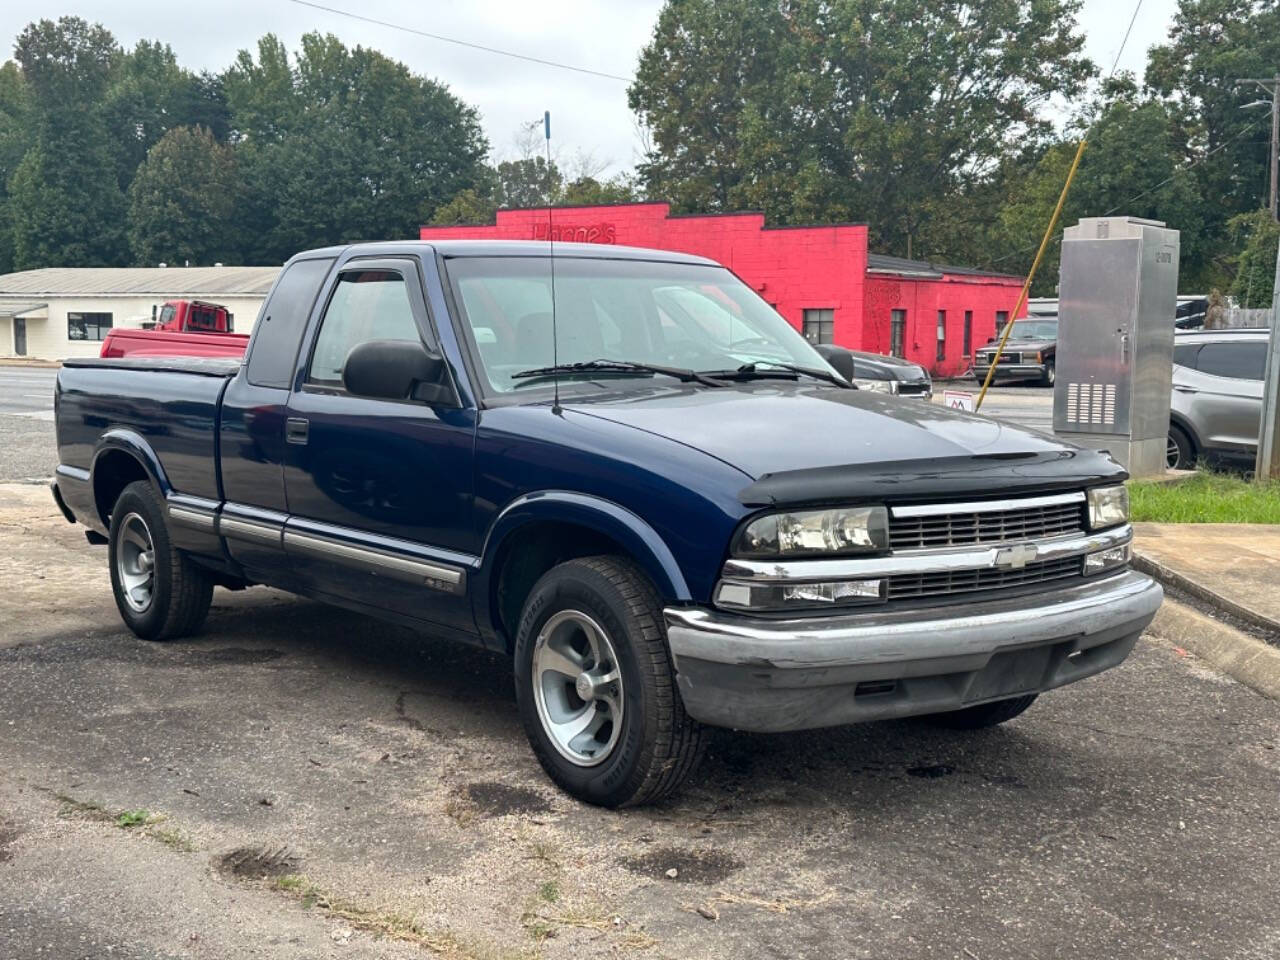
295 430
1182 389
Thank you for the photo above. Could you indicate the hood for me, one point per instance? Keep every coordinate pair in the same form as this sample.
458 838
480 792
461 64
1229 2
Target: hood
1020 343
899 368
767 430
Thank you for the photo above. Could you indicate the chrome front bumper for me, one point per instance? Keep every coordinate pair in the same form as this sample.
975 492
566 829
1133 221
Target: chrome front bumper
754 673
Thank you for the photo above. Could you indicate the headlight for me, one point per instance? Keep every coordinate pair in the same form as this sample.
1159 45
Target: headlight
877 386
837 531
1108 506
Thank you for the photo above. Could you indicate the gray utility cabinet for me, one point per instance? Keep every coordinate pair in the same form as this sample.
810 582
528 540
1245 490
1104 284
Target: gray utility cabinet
1117 298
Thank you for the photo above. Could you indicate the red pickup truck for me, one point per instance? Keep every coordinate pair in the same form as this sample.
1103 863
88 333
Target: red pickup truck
185 328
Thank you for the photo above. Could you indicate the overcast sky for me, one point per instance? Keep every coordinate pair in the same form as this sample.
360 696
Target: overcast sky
589 114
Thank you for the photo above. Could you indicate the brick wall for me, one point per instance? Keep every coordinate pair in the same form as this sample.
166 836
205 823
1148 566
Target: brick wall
793 268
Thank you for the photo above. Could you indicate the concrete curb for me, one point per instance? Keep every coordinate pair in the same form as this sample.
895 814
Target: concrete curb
33 364
1252 662
1171 578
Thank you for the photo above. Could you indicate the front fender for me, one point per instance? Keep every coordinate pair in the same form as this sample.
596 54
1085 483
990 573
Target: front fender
644 545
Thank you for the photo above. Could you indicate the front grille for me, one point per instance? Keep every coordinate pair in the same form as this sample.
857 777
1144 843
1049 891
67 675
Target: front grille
1004 358
996 526
912 586
908 389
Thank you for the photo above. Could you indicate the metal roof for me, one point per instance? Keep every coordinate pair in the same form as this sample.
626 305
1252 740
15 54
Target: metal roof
138 281
887 264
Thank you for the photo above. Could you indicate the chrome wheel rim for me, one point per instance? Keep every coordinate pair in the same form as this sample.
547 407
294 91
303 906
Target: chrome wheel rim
136 563
577 687
1171 453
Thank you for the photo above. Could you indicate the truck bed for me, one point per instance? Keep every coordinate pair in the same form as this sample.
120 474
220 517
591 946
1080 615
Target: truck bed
127 342
170 402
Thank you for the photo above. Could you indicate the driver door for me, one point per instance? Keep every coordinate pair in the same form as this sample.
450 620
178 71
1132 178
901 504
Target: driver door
379 491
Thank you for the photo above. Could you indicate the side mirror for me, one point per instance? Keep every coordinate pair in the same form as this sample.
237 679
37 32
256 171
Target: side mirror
396 370
839 358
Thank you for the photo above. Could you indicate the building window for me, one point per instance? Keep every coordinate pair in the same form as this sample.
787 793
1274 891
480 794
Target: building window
942 335
1002 317
898 333
820 325
88 326
968 334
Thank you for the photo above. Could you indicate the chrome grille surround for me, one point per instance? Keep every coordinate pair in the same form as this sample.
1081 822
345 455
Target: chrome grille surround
941 550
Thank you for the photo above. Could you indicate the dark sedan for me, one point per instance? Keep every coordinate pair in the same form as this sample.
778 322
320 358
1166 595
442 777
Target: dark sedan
876 372
1029 353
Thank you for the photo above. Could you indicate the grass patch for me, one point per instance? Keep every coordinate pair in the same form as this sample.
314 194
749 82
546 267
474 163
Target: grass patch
549 891
132 818
1206 498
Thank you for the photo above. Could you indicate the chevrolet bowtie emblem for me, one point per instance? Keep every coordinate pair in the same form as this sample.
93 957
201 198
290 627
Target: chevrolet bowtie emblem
1016 557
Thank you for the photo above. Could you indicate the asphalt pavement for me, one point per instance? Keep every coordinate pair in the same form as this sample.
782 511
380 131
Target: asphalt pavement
28 450
301 782
1027 406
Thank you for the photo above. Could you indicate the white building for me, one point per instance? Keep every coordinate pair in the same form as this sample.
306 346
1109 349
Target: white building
61 312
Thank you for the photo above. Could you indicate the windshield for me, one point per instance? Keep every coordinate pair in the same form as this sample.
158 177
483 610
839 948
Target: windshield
669 314
1041 329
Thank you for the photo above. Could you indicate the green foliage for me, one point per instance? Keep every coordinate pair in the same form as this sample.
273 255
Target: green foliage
132 818
183 200
1206 498
347 145
875 110
1256 270
65 203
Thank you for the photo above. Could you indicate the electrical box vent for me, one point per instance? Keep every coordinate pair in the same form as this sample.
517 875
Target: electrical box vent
1091 404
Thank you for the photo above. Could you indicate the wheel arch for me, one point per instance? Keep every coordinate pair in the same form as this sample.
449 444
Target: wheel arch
122 457
540 530
1182 423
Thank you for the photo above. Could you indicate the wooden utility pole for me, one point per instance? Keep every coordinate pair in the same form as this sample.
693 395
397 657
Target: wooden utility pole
1271 86
1267 466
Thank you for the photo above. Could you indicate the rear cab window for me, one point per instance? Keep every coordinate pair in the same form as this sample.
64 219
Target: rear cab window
277 335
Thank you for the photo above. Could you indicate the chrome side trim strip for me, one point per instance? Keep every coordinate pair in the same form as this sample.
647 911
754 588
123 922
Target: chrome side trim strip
926 560
188 517
248 530
986 506
420 572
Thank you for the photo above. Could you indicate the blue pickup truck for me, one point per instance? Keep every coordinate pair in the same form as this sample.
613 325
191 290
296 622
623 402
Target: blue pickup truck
623 470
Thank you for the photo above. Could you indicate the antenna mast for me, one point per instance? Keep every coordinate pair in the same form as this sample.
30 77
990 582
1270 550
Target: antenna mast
551 247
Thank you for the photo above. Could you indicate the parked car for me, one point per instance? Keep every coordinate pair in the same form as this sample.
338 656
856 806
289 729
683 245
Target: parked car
185 328
1216 407
882 374
1029 353
712 526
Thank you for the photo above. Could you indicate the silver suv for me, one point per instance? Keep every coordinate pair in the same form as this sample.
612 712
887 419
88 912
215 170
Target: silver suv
1216 407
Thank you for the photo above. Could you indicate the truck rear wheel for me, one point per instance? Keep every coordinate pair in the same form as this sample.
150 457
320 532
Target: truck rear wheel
984 714
160 593
595 686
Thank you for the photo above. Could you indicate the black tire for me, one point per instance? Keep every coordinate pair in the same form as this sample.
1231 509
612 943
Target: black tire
657 745
1050 376
984 714
180 591
1181 454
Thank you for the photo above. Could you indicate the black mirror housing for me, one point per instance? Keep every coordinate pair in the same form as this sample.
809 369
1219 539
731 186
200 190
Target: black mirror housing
396 370
839 358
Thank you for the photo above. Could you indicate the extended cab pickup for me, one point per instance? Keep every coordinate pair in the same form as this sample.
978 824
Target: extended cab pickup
623 470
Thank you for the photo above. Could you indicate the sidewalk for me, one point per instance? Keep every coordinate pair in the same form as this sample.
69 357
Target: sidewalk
1236 566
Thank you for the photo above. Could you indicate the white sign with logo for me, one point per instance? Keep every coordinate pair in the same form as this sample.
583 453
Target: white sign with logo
958 400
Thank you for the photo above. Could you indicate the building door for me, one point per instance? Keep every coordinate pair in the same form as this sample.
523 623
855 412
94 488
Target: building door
898 333
19 336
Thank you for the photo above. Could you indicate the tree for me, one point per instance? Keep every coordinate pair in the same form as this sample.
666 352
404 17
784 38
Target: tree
347 145
65 204
183 200
1256 267
14 121
1131 166
822 110
1212 44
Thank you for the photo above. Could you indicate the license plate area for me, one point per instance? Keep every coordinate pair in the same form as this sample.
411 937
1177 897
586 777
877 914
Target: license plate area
1011 673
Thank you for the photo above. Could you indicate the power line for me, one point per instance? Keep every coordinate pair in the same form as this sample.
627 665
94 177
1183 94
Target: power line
461 43
1125 42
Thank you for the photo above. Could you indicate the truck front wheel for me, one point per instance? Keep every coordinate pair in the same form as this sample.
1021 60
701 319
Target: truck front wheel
595 687
160 593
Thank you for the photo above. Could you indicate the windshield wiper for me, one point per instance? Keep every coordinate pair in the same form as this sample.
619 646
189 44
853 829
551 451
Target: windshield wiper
624 367
749 371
